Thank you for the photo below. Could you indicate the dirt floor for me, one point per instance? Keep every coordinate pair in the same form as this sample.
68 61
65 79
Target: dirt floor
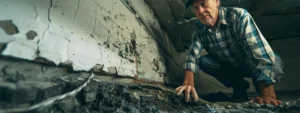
23 85
103 97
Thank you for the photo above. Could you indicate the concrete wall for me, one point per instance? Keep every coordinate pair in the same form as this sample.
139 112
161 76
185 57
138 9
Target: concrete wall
86 33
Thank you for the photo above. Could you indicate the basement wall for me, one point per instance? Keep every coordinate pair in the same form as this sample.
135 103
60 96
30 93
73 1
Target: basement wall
86 34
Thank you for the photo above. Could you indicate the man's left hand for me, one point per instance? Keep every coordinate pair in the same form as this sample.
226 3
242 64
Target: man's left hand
266 100
267 95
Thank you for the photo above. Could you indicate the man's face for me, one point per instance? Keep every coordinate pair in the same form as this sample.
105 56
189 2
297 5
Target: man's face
206 11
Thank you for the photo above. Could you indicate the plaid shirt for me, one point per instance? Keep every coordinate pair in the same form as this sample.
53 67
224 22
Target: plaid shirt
236 41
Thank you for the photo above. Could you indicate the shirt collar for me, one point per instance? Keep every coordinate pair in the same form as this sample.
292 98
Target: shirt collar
222 16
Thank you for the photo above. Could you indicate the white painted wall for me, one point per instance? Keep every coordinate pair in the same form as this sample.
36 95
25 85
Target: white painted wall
86 33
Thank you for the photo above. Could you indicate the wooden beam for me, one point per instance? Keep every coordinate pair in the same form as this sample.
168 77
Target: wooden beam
261 6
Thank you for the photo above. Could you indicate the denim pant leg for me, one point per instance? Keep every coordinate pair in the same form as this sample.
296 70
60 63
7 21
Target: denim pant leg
226 74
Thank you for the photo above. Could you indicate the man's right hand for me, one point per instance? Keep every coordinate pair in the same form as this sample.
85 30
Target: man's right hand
188 86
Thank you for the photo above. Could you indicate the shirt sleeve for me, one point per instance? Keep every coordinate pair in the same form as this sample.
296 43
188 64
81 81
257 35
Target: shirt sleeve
258 50
193 54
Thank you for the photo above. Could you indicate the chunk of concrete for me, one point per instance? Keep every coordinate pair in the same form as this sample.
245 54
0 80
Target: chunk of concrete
90 93
134 97
69 105
90 96
112 70
98 68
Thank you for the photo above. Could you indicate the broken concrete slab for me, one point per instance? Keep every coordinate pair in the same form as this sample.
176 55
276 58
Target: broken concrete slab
61 32
112 70
98 68
134 97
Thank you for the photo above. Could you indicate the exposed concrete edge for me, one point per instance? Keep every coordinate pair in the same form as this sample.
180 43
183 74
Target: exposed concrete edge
111 77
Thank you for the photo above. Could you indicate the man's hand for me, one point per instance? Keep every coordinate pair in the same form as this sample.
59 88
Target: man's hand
188 86
267 95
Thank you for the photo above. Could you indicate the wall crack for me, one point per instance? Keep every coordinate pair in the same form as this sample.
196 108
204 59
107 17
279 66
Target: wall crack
76 12
36 13
38 42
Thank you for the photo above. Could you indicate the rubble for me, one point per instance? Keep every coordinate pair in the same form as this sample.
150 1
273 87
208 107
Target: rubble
102 94
135 98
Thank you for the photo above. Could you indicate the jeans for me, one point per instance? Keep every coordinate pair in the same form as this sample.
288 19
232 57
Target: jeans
231 76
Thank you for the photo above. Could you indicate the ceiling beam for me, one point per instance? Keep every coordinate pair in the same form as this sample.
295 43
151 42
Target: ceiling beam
261 6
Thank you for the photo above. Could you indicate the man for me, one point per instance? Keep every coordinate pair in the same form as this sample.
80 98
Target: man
236 49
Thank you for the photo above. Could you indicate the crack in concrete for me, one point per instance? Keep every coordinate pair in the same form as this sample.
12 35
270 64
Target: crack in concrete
36 13
76 12
49 10
101 33
94 25
68 49
113 22
101 53
38 49
96 18
38 42
67 39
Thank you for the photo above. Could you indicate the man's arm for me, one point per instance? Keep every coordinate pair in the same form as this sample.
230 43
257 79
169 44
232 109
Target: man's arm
190 67
192 54
259 52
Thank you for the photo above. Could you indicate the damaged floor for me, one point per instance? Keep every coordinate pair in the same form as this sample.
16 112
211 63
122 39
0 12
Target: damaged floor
25 84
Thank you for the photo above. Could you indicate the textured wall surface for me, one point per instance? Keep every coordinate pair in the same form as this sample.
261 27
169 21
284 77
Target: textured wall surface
84 33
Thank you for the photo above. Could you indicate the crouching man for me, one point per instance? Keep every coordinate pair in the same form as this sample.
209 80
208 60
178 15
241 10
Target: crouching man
236 49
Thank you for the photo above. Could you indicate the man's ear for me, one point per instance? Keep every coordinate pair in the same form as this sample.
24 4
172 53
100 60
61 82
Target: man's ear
218 3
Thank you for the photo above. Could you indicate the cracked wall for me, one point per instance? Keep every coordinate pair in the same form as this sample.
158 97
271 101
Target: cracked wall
101 33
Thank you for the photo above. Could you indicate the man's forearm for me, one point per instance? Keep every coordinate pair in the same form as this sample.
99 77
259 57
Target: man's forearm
188 78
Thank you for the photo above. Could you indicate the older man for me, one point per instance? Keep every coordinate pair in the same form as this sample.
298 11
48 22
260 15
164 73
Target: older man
236 49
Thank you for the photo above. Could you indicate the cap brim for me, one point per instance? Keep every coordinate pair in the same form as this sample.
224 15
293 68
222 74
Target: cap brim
188 3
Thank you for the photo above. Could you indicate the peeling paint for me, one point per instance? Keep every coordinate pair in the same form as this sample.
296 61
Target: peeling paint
9 27
86 35
31 34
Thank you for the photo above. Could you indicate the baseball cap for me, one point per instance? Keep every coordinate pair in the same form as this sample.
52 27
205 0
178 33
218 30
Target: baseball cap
188 3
